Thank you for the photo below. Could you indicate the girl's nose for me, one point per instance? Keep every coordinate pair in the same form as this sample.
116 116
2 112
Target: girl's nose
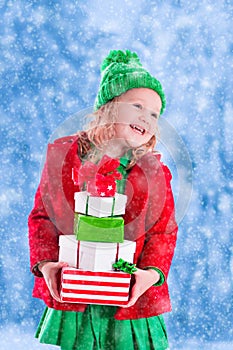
143 116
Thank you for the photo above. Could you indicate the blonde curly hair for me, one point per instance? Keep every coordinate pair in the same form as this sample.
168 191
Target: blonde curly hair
102 129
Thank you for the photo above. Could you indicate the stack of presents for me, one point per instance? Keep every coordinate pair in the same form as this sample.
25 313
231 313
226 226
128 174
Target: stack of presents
100 260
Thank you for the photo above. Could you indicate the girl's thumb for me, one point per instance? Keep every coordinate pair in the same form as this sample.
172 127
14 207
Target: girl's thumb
62 264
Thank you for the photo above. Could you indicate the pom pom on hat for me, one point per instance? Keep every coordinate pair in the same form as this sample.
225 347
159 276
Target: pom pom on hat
122 71
118 56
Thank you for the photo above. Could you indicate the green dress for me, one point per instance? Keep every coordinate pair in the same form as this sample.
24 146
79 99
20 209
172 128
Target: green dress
96 328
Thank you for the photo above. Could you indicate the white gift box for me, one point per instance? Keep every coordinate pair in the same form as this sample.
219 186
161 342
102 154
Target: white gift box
94 256
109 288
100 206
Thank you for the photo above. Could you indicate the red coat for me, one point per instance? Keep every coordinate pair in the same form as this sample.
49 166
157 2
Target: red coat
149 220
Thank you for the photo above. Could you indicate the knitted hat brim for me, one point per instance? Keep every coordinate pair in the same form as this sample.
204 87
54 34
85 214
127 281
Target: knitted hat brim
124 82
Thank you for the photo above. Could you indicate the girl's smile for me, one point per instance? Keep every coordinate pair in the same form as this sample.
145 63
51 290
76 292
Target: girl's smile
138 129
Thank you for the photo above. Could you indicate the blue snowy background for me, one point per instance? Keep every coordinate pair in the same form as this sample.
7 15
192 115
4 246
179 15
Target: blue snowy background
50 57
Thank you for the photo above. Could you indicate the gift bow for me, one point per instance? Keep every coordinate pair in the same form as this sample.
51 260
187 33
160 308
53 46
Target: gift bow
98 176
124 266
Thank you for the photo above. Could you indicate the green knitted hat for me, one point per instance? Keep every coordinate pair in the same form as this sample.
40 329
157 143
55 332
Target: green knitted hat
122 71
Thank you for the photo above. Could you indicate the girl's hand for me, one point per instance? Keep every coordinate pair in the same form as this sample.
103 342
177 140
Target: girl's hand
50 270
144 279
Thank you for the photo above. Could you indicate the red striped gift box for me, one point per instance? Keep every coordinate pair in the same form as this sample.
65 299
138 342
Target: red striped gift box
87 287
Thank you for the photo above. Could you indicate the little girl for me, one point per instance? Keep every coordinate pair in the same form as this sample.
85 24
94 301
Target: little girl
127 107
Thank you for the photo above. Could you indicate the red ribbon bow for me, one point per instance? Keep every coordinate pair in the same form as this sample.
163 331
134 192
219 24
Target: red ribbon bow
100 178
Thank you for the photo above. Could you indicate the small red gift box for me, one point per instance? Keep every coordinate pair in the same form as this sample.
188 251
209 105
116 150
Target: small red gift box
100 178
87 287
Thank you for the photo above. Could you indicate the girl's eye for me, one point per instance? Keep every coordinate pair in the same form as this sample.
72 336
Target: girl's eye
137 105
154 115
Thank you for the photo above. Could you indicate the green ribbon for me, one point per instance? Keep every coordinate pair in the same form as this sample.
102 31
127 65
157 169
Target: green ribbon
113 206
124 266
124 161
87 205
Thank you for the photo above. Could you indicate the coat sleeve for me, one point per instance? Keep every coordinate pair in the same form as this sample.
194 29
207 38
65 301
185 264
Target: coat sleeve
52 214
161 227
43 235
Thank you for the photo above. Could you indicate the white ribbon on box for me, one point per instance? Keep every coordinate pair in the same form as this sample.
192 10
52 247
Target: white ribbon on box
94 256
100 206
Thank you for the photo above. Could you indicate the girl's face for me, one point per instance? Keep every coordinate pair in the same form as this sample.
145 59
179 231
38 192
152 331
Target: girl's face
138 112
